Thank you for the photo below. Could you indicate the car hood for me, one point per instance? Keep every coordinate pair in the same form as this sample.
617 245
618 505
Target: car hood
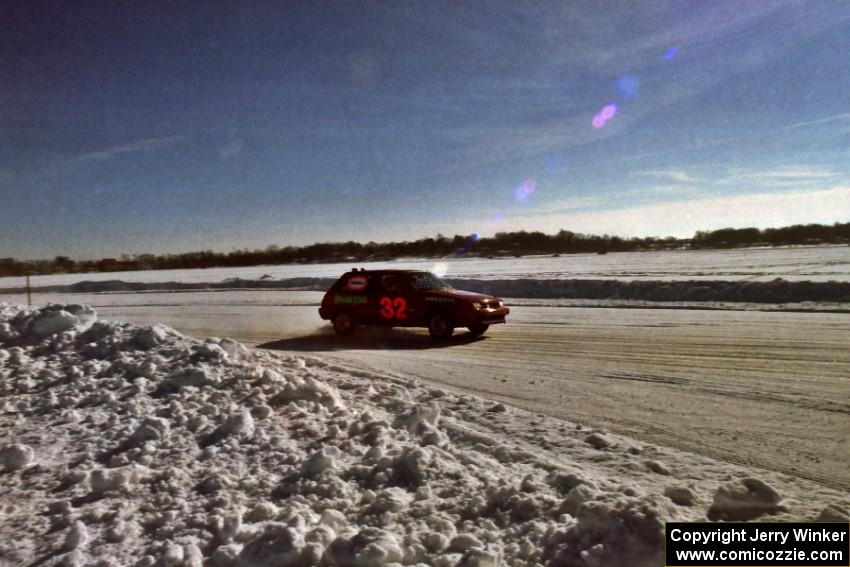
460 294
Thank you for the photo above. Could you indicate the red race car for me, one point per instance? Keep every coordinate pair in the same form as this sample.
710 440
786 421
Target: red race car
407 298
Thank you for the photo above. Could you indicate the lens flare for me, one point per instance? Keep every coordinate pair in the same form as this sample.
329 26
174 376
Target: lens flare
440 269
607 113
524 191
671 53
475 237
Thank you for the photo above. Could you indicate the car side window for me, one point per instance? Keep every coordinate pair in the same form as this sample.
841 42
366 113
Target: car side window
392 283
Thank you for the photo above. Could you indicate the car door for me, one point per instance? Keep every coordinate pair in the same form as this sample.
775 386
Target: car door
415 298
392 300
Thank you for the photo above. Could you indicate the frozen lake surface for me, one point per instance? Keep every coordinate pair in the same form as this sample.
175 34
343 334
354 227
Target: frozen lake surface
812 263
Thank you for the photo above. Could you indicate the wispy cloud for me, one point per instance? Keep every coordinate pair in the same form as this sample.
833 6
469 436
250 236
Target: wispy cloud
683 217
678 181
670 175
836 118
145 145
666 190
523 103
680 217
783 175
760 135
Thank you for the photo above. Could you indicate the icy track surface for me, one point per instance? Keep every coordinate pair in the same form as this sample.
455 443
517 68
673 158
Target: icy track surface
127 445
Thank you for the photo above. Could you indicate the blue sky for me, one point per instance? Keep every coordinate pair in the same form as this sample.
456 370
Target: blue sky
175 126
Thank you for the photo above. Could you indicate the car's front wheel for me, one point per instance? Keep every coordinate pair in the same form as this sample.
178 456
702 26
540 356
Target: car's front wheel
440 327
478 329
344 323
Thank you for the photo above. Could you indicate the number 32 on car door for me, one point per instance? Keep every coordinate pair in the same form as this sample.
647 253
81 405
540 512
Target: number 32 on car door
393 308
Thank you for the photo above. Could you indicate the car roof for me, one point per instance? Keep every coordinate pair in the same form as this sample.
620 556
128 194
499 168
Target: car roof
387 272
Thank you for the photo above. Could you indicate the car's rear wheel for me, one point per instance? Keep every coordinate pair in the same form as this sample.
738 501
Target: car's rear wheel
440 327
478 329
344 323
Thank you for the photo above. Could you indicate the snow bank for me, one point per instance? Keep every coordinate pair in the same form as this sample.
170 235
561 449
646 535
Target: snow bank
128 445
119 286
777 291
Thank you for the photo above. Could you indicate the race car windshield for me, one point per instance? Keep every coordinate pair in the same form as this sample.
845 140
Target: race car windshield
428 281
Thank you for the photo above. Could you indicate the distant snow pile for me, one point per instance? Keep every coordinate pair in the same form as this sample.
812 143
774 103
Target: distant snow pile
126 445
737 291
120 286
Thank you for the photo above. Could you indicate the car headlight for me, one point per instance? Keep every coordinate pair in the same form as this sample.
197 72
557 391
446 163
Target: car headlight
476 305
501 303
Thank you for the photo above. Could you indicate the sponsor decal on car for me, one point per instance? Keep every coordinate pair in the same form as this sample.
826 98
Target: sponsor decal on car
357 283
349 299
440 299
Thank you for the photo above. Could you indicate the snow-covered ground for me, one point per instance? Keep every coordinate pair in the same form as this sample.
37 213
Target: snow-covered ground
252 450
126 445
681 377
804 263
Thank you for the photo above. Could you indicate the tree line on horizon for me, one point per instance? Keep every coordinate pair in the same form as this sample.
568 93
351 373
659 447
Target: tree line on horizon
514 244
